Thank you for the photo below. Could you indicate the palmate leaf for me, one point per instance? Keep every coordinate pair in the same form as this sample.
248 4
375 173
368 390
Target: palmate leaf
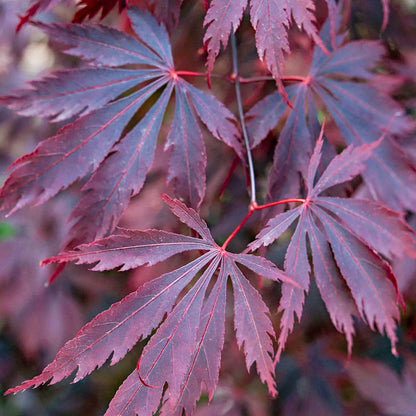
345 236
91 8
105 98
361 113
37 6
185 351
270 19
166 11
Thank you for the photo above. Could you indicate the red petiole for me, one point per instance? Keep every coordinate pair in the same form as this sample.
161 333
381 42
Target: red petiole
240 79
254 207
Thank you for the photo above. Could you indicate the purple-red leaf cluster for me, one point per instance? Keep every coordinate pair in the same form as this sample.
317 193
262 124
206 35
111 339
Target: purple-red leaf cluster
361 113
346 237
105 97
185 351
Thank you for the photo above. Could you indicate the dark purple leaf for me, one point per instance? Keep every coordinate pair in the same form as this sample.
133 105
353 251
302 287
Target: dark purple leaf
330 284
116 330
354 229
297 267
188 157
205 365
270 20
222 18
107 100
253 327
185 351
362 114
368 276
43 173
108 192
131 249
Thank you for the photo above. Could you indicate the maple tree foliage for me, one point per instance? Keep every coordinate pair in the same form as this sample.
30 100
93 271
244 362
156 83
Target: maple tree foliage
355 230
192 326
96 133
361 113
341 213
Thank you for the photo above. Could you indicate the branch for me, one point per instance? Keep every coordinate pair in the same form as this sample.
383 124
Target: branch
242 120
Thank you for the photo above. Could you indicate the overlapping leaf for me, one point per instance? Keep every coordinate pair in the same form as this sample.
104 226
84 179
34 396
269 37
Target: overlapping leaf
36 7
270 19
166 11
361 113
91 8
124 73
186 349
345 236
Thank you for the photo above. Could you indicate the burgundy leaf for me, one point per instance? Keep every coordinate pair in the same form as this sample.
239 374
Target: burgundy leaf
315 161
368 276
275 228
184 353
43 173
261 267
109 192
154 35
169 352
205 365
354 59
64 94
188 156
330 284
222 18
131 249
189 217
362 114
90 8
343 167
382 229
270 19
264 116
167 11
106 100
253 327
116 330
102 45
216 117
354 229
292 152
296 266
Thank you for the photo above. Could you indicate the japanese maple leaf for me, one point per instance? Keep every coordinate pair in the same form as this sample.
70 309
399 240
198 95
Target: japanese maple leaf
91 8
186 348
361 113
346 237
105 97
36 7
392 393
166 11
270 19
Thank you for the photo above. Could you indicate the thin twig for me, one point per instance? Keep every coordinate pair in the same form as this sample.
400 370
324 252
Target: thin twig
254 207
242 120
